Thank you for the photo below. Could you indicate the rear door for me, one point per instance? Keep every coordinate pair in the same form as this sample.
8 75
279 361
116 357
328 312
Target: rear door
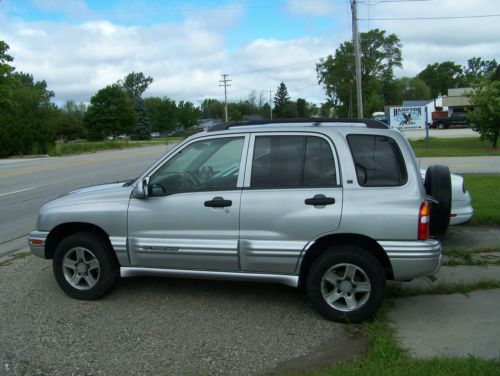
291 196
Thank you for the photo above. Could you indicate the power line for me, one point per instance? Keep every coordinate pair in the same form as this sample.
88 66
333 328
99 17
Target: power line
429 18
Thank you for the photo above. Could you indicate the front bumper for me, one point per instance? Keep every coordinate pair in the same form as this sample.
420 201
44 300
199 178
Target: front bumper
413 259
36 241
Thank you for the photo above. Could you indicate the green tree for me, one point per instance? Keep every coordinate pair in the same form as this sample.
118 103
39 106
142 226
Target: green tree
440 77
111 112
486 115
301 108
407 88
162 113
476 70
381 53
212 109
283 106
69 124
188 114
135 84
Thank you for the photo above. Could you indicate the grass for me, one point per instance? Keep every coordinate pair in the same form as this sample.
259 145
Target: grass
454 147
79 147
386 357
398 291
485 193
467 256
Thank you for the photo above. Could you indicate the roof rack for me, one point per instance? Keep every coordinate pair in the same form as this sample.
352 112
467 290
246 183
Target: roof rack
370 123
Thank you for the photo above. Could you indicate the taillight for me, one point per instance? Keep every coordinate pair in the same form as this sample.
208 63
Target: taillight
424 220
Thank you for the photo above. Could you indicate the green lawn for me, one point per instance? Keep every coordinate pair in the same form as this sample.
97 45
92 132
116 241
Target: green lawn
386 357
485 192
453 147
78 147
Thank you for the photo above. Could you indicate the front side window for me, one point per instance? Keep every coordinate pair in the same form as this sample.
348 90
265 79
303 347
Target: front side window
204 165
292 161
378 161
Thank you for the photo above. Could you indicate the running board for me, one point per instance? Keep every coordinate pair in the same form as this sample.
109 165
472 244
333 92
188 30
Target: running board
283 279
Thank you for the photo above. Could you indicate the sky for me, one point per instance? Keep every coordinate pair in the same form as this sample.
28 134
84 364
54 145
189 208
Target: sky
80 46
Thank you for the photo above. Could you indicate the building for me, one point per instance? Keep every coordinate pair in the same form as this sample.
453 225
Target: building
457 100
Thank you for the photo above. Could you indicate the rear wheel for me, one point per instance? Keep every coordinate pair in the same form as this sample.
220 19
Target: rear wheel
84 266
346 284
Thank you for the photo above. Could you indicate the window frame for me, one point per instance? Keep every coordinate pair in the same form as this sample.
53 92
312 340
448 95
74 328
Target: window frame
182 146
251 150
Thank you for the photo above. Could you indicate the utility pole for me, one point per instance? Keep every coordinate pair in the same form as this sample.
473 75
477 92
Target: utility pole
226 85
357 57
271 103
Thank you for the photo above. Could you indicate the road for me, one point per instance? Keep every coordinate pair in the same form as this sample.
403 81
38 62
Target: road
26 184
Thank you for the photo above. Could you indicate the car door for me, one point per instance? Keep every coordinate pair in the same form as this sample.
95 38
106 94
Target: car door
191 218
291 196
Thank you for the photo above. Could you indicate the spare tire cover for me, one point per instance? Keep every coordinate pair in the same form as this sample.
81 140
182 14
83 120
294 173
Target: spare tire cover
438 185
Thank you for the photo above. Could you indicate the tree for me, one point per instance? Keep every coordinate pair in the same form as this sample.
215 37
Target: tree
212 109
188 114
301 108
440 77
283 106
475 70
381 53
111 112
69 124
135 84
485 118
162 113
406 88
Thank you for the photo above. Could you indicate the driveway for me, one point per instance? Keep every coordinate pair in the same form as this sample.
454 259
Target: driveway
156 326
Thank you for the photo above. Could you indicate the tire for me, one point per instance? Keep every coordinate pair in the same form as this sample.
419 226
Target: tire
438 185
84 266
331 277
441 126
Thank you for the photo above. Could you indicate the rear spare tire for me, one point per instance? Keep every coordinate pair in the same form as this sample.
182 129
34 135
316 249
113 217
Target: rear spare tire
438 185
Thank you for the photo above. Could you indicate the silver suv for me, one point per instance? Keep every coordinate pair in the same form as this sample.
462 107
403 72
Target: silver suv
335 206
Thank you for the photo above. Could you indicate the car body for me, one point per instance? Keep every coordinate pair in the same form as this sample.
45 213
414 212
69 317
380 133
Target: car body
337 206
461 202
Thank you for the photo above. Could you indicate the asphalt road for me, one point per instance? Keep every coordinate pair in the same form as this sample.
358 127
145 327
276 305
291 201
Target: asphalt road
26 184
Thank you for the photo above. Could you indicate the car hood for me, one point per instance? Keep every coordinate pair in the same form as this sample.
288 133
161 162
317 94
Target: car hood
95 194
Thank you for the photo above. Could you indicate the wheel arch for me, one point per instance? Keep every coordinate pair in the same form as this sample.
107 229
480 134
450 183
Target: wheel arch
58 233
330 241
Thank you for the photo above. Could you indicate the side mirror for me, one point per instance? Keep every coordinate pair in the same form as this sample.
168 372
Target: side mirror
141 189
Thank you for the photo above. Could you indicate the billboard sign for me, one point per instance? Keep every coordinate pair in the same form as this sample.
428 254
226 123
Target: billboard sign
412 117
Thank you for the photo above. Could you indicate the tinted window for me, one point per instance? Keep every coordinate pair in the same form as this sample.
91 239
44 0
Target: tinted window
378 161
292 161
212 164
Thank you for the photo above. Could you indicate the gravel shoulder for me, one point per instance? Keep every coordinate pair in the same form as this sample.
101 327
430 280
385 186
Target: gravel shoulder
155 326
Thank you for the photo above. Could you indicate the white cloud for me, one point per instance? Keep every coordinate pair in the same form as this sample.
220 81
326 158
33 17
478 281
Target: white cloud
186 58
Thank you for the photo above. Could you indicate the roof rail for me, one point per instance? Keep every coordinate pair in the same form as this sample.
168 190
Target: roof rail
370 123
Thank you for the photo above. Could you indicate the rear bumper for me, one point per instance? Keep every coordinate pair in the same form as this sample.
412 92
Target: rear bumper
413 259
36 242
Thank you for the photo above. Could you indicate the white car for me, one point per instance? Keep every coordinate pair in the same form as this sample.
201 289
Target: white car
461 206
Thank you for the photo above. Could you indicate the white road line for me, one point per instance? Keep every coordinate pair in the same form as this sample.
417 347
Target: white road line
21 190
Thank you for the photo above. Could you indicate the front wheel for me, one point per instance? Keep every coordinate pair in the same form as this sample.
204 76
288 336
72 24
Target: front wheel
346 284
84 266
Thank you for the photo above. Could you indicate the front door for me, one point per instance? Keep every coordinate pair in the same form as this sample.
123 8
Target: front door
191 218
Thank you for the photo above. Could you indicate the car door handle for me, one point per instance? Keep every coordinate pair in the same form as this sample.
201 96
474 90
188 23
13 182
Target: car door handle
320 200
218 202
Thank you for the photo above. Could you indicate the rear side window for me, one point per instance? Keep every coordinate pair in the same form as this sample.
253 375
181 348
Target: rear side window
378 161
292 161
